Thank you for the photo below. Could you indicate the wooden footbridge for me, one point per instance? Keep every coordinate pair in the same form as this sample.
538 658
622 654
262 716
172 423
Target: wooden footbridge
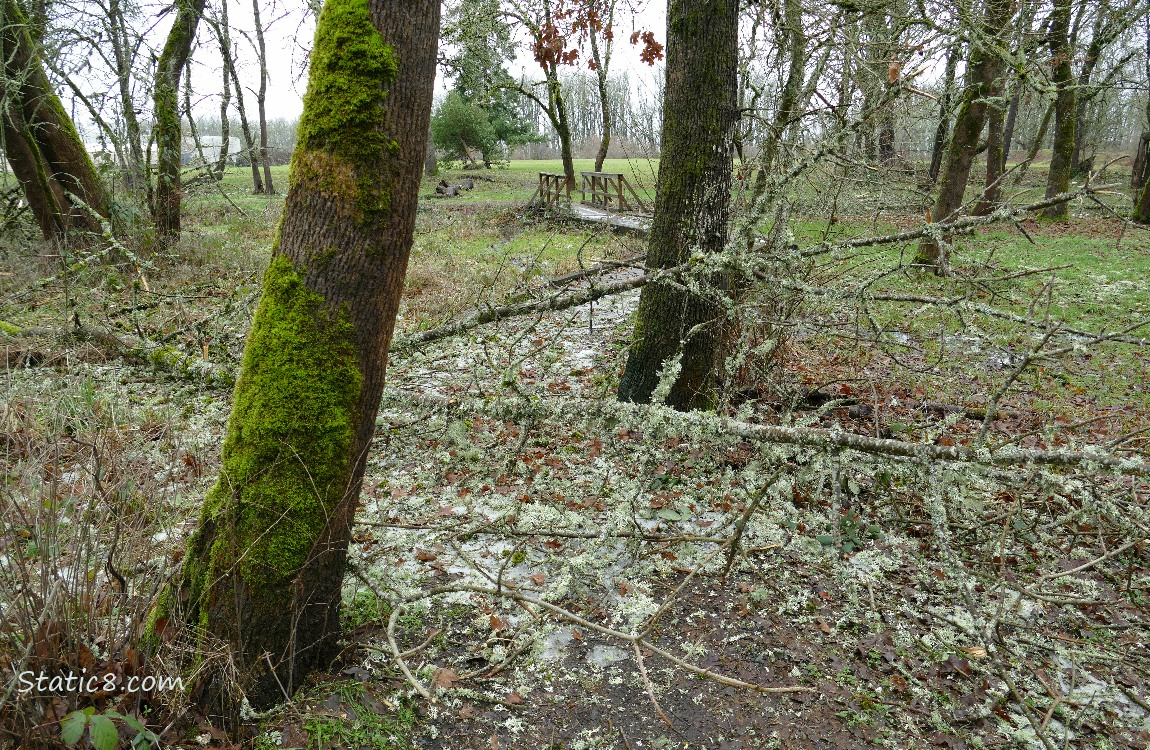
606 198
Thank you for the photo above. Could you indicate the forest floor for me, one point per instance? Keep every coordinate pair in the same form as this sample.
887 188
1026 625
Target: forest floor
566 572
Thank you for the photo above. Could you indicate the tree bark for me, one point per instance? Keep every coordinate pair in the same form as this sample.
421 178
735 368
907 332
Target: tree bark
1065 106
992 186
263 571
223 34
40 141
560 120
944 107
169 68
602 65
984 66
676 328
250 146
1140 175
261 99
123 53
225 98
1011 119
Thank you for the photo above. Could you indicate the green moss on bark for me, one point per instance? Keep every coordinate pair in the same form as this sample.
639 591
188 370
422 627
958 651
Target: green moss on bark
342 144
285 459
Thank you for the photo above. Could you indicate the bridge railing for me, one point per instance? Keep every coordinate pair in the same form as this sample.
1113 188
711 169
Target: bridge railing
553 189
607 192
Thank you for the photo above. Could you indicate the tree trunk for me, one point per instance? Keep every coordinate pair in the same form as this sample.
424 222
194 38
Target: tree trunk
250 147
40 141
1011 119
1062 152
674 328
225 99
261 99
983 69
789 99
945 104
992 187
1036 144
602 64
559 118
1140 175
170 66
1142 194
263 572
123 55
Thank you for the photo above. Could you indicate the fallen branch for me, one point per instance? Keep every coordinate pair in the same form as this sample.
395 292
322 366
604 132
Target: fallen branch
696 423
132 349
593 293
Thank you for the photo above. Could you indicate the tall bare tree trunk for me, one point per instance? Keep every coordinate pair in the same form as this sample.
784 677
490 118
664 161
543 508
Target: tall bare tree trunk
675 328
263 572
225 98
169 68
261 99
123 55
944 106
1065 106
602 60
223 35
983 69
40 141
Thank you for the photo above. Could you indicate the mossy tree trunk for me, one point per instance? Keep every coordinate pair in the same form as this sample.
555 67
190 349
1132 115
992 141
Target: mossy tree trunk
675 328
1065 108
169 68
264 570
787 112
984 66
40 141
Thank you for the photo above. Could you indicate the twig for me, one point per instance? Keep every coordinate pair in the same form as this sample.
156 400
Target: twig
609 632
647 684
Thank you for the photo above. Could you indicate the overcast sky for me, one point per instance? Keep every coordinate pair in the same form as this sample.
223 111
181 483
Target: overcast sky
290 37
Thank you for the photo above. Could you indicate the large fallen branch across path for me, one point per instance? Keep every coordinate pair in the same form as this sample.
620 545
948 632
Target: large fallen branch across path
643 416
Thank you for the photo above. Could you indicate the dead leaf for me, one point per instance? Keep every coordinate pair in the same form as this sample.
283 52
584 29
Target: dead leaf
497 623
975 652
444 678
538 578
